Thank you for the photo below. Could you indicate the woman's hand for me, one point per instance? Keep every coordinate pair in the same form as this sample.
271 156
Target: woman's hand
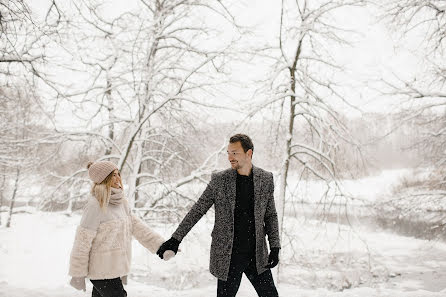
78 283
167 255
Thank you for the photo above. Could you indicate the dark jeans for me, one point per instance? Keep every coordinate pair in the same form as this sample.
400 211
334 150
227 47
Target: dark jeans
108 288
240 263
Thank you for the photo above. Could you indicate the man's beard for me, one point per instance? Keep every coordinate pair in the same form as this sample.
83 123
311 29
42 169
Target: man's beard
235 165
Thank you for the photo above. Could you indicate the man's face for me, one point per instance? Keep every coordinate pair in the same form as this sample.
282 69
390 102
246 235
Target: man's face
237 157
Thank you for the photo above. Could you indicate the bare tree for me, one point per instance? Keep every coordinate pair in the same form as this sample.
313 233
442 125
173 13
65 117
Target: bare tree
23 40
154 68
17 34
421 96
19 144
305 94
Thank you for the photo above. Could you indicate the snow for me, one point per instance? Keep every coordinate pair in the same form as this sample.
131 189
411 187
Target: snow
34 257
364 190
318 258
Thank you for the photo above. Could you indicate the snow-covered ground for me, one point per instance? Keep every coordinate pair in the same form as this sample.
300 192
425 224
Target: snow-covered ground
363 190
318 259
34 257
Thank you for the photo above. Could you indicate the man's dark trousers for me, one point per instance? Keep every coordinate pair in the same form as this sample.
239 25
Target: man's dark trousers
242 263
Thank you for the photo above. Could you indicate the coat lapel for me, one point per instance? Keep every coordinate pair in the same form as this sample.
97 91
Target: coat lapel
232 188
257 189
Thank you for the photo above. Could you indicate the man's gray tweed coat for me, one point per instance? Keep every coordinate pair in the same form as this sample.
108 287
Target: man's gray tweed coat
221 192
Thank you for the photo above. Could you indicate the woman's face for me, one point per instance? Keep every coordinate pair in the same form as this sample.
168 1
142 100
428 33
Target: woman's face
116 179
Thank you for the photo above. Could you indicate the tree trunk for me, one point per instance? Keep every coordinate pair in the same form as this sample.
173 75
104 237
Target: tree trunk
133 178
70 206
137 182
1 197
289 138
285 168
111 117
11 206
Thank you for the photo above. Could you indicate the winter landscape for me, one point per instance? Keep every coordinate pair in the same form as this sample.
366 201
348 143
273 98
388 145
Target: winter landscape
345 101
328 259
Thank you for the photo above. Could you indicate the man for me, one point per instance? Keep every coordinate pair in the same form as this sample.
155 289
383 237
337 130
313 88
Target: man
243 197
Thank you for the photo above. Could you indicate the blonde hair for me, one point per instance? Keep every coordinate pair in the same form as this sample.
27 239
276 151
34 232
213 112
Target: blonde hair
102 191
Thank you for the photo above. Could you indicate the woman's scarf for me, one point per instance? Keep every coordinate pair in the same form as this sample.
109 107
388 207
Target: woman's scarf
116 197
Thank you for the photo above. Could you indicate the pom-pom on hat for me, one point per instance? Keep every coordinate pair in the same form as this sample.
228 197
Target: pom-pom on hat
98 171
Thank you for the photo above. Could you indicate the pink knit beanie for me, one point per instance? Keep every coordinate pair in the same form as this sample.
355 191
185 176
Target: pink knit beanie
98 171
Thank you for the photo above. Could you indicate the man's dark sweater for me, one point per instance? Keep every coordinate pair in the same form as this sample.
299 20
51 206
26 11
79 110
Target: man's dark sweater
244 227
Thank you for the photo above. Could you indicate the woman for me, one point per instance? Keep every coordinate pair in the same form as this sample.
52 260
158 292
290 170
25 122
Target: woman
102 245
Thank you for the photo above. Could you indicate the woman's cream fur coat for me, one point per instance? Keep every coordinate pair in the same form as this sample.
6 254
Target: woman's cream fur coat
102 246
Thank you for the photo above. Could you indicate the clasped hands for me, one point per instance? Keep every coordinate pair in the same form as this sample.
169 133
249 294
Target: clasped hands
168 249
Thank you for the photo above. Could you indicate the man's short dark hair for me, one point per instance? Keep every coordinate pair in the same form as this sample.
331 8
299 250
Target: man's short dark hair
244 140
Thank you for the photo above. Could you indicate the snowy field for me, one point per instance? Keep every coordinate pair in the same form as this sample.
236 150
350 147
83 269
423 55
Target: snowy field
318 259
34 262
363 190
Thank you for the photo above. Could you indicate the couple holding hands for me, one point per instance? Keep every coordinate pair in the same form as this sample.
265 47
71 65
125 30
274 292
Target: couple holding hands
243 198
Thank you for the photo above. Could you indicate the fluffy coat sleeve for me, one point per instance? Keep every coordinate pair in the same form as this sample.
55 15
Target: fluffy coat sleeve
83 240
146 236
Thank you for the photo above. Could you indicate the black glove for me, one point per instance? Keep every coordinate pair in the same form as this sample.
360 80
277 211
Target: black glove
273 258
170 245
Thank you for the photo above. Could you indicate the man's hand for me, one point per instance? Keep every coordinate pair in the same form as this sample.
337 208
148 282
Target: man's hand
273 258
170 245
78 283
